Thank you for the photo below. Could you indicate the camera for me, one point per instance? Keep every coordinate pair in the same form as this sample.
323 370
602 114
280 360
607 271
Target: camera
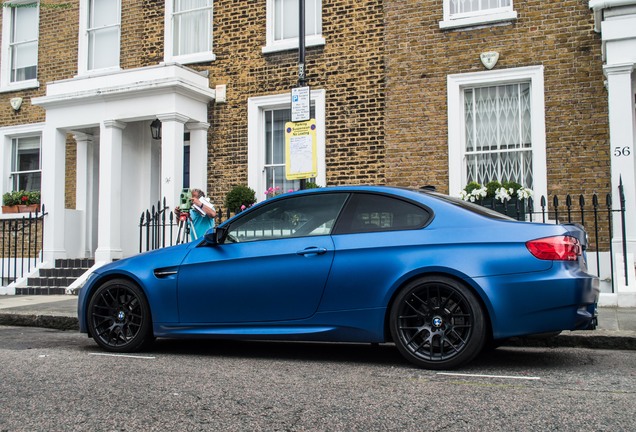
185 200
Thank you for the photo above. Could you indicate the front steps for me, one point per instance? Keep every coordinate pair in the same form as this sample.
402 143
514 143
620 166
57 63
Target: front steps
55 280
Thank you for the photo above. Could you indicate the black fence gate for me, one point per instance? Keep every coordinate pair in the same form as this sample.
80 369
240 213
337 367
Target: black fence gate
21 245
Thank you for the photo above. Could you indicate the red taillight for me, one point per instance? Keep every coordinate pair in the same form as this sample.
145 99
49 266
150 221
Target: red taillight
559 248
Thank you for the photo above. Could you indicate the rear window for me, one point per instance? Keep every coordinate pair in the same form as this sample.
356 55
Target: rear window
374 213
480 210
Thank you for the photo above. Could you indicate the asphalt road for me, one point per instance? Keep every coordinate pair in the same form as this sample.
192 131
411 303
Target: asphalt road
52 380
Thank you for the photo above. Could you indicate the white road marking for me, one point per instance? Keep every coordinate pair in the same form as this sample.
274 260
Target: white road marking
489 376
123 355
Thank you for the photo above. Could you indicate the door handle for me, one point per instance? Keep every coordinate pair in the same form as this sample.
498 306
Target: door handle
312 251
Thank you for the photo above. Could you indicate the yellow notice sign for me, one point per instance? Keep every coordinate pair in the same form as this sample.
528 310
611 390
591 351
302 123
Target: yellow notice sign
300 150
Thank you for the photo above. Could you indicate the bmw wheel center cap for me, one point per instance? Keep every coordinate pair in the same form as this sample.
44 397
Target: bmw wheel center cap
437 322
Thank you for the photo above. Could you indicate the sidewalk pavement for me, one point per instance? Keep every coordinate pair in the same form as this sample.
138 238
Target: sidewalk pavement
616 326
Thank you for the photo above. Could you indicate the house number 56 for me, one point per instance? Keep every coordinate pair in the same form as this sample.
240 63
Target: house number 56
622 151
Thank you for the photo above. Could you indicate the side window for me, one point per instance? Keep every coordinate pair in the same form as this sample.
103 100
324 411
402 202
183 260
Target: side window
474 13
103 33
25 164
374 213
188 31
20 35
300 216
282 24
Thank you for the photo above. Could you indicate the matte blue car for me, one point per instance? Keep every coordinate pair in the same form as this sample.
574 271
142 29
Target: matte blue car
439 277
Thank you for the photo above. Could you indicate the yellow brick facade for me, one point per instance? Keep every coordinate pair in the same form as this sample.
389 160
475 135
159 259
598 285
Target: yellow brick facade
557 35
384 69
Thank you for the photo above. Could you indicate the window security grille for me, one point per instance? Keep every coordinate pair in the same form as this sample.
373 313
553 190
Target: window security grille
498 134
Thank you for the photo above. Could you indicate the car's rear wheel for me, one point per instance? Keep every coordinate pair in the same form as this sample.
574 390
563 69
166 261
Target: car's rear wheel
119 317
437 323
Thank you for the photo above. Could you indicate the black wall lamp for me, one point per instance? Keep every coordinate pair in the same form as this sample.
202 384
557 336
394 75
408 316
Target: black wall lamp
155 129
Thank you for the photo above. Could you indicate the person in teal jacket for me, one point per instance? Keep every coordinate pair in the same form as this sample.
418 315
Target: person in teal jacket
202 214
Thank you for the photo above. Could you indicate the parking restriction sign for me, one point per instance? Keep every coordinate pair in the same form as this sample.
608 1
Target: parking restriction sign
300 104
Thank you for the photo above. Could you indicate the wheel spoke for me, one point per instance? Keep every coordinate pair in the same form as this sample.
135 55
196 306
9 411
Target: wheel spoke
422 302
417 311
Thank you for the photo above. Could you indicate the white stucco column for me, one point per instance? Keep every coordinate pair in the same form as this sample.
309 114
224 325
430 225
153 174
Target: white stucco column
84 188
623 157
110 191
172 127
53 187
199 155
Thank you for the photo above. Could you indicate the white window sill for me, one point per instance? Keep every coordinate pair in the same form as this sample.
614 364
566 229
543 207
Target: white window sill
98 72
22 85
478 20
191 58
291 44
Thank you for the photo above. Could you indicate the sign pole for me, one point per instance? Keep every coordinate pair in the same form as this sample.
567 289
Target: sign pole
302 73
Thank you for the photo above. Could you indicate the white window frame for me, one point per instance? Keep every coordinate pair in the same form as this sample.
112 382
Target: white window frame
7 134
478 18
5 68
256 107
456 127
273 45
82 57
14 159
206 56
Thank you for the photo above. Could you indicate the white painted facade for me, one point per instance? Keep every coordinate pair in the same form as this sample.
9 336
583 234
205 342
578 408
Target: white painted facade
615 20
121 171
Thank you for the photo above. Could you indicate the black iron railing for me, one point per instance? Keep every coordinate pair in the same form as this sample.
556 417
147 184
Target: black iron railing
21 245
160 227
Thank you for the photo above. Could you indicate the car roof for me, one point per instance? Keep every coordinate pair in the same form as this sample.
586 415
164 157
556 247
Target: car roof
422 195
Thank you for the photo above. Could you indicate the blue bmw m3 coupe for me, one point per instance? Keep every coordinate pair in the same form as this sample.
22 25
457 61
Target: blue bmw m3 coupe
435 275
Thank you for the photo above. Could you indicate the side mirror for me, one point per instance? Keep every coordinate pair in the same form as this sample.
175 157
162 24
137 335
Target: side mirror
210 236
215 236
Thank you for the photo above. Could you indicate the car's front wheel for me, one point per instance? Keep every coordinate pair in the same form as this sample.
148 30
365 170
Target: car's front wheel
437 323
119 317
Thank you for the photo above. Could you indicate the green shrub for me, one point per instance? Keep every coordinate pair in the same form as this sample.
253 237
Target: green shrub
311 185
239 196
491 188
511 185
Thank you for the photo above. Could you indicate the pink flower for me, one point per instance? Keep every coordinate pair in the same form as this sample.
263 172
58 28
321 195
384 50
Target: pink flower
243 207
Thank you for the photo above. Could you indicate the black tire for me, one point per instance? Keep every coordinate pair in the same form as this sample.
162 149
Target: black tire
119 317
437 323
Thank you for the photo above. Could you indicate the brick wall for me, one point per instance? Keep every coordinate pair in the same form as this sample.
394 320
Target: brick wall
383 68
350 68
557 35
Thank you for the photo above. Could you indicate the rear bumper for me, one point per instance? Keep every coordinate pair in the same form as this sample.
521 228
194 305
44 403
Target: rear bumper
562 298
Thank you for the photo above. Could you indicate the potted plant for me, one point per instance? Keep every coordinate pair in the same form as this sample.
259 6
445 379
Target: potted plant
29 201
10 202
505 197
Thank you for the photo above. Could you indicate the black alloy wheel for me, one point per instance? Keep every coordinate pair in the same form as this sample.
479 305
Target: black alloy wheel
437 323
119 317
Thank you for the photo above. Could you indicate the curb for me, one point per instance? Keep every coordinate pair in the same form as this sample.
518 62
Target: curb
606 342
44 321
